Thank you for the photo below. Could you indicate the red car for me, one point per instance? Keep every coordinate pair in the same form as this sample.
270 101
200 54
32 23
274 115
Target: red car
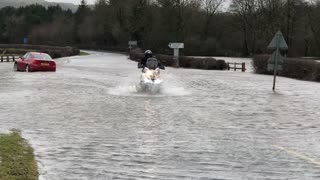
34 61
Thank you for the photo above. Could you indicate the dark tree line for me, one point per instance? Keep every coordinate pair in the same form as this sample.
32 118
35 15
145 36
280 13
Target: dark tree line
245 29
18 23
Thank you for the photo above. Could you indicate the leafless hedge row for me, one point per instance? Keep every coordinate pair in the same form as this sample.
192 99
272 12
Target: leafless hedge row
185 62
54 51
292 67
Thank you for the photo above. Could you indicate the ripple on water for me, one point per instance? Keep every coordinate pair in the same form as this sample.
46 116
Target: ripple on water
132 91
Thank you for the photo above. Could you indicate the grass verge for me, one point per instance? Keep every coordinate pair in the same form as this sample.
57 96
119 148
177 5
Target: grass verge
84 53
17 160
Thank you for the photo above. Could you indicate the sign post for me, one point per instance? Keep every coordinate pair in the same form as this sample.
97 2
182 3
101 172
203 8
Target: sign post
278 43
176 47
132 43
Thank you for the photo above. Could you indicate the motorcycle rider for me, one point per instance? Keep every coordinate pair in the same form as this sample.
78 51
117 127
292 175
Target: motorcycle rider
148 54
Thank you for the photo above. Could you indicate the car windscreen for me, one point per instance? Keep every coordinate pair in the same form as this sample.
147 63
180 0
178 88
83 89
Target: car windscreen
42 56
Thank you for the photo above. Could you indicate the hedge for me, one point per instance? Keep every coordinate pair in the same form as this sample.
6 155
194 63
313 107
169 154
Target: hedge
297 68
54 51
185 61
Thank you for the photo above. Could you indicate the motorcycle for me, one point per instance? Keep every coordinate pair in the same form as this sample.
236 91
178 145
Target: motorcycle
150 80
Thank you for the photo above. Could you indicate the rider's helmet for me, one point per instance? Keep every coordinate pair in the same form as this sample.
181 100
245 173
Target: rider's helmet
148 53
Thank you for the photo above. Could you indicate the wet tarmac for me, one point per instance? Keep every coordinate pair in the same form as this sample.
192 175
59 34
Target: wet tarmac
86 121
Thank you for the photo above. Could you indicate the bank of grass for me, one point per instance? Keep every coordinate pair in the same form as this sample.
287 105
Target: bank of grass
17 160
84 53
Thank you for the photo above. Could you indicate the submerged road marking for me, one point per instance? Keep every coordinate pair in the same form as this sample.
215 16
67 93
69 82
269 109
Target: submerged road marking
298 155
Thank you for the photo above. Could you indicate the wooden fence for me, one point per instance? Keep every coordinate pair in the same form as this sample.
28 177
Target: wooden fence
8 58
236 66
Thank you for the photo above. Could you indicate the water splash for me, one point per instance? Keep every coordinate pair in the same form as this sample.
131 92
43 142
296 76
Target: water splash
123 90
132 90
170 87
172 90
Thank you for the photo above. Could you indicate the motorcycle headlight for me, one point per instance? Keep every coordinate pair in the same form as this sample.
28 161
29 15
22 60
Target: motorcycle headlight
149 74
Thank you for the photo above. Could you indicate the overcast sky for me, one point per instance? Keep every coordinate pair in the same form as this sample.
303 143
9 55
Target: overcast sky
93 1
72 1
225 7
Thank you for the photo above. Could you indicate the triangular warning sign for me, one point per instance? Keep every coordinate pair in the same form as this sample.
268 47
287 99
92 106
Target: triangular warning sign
274 57
278 41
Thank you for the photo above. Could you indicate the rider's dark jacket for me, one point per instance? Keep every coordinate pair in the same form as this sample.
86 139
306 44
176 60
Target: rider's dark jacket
145 58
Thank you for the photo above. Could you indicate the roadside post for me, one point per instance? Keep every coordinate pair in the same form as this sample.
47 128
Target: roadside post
131 44
275 63
176 47
25 40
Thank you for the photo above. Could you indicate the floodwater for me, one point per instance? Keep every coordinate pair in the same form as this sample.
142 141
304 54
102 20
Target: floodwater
86 121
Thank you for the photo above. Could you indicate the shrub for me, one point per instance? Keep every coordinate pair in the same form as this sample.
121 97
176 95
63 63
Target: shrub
165 59
136 55
54 51
260 64
185 62
292 67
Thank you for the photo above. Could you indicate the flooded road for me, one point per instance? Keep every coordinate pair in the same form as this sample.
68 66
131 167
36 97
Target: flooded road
86 121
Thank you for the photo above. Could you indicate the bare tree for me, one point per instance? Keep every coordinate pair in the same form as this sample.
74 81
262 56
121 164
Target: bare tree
313 17
210 7
246 12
